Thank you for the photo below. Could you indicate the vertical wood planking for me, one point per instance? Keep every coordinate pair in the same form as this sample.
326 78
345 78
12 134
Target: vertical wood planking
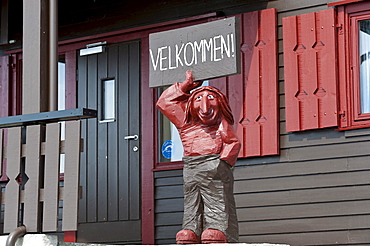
252 100
71 87
256 118
32 187
134 81
123 101
327 93
4 86
12 187
236 90
82 102
220 83
113 136
113 181
92 150
310 70
103 158
291 75
51 183
307 71
71 175
259 59
269 120
10 94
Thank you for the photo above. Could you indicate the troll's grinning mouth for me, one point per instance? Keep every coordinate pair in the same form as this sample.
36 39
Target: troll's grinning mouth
206 114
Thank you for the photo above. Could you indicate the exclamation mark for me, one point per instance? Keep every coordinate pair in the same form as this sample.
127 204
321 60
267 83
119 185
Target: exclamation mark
232 45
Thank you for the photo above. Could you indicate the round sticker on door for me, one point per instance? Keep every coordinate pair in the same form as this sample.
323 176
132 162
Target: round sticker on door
167 149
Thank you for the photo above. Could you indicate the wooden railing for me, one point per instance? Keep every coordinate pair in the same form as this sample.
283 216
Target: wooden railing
32 155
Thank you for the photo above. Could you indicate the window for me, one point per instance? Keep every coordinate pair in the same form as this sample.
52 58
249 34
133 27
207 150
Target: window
321 49
108 100
354 64
170 146
364 60
361 65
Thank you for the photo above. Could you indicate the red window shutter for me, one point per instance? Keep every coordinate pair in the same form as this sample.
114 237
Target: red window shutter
310 71
253 94
259 47
4 86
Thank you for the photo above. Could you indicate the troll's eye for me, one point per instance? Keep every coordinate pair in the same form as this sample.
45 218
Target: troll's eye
199 97
211 96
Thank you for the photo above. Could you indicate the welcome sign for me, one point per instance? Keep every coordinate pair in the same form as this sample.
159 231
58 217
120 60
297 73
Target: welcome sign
209 50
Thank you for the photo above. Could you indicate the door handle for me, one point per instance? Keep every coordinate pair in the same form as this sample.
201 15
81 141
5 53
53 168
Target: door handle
133 137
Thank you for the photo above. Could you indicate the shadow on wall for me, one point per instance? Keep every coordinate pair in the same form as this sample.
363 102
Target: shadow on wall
317 134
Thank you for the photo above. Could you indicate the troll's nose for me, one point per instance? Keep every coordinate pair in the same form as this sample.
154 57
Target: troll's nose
204 106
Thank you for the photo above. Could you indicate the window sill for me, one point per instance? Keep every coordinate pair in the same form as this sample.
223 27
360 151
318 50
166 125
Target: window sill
353 127
165 166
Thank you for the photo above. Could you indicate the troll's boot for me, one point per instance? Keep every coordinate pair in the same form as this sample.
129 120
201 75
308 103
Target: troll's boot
213 236
187 237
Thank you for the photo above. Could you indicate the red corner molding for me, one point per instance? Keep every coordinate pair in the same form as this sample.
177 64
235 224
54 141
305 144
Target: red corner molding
343 2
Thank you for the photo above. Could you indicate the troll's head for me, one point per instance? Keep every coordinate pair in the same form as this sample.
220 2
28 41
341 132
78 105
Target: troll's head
208 105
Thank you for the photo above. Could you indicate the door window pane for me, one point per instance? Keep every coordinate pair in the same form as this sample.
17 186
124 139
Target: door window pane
364 53
108 102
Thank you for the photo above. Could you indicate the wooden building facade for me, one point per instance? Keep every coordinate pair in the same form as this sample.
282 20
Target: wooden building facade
300 107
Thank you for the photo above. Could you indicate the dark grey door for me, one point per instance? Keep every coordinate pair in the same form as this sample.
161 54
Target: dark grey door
110 164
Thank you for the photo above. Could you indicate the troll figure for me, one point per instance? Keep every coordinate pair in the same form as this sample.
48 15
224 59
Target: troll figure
204 120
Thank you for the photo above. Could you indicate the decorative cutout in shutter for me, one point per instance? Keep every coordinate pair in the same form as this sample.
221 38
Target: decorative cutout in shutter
253 95
310 71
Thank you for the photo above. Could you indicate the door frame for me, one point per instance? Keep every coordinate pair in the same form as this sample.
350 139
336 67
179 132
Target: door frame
148 99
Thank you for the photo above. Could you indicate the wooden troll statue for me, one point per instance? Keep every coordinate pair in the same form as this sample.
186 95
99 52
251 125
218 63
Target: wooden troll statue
204 120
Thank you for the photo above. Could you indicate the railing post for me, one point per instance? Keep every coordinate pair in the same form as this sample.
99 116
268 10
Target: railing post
52 176
71 175
32 170
32 153
12 192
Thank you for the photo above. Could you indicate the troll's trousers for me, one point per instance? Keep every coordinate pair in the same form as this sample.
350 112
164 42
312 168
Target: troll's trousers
208 196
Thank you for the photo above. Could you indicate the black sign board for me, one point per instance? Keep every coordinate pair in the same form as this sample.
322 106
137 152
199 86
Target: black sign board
209 50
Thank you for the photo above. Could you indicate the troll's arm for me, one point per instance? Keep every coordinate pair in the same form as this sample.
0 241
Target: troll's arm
231 145
172 102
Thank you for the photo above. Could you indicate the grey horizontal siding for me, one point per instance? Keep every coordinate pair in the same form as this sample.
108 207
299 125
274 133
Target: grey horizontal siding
316 192
346 237
169 205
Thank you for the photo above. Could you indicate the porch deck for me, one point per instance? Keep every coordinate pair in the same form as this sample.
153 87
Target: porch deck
50 240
